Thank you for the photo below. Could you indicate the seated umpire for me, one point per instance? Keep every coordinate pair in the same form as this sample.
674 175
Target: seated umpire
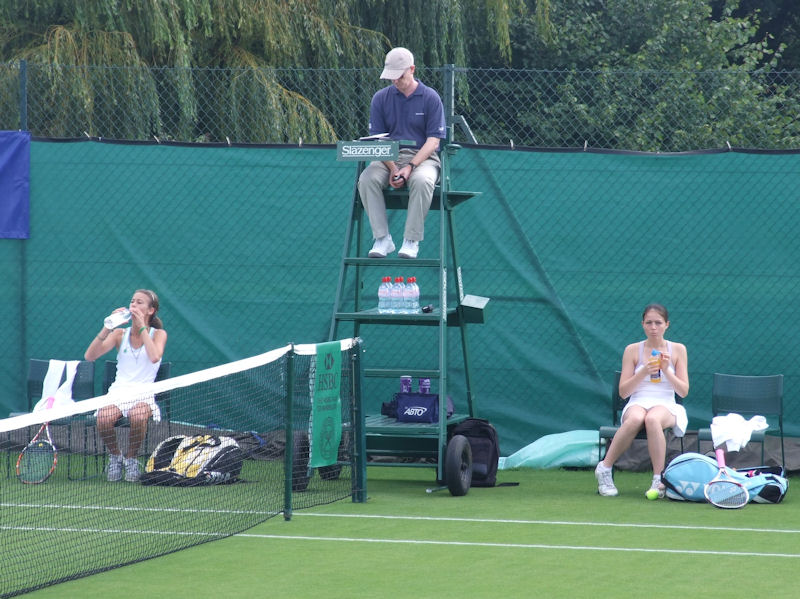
406 110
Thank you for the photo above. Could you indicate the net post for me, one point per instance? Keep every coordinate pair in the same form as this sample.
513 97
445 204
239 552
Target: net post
288 452
359 477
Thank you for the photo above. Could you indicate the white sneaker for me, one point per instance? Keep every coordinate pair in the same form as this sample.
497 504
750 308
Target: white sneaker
382 247
410 249
114 470
132 470
605 482
658 486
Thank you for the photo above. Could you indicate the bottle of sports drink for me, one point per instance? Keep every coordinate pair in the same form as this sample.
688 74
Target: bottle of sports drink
655 358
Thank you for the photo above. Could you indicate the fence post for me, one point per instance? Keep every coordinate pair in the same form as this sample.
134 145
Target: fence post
23 95
449 98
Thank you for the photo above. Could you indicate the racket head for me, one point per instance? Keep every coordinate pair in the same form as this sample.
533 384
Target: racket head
726 494
36 462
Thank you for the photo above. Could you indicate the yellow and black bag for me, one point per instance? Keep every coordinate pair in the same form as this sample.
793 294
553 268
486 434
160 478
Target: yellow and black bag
185 461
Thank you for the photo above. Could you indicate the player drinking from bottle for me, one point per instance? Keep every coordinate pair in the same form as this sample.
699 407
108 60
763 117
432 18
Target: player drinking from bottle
652 404
140 348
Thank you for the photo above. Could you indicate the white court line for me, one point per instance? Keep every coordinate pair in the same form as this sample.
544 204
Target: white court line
113 508
748 554
555 523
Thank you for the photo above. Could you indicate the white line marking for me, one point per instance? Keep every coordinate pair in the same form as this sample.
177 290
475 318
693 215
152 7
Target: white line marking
525 546
554 523
116 508
114 531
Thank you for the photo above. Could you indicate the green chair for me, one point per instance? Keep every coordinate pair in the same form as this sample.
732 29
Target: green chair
606 433
82 388
747 396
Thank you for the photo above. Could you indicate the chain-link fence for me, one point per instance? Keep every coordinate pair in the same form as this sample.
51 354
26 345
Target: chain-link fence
666 111
244 244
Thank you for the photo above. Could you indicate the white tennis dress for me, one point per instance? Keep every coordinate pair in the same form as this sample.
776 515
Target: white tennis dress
649 395
134 368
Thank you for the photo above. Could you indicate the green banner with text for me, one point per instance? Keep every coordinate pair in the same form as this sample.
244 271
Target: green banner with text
326 410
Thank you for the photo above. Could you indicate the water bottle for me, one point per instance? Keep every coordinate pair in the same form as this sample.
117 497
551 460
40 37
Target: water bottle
398 306
408 292
655 357
385 296
115 319
413 303
405 384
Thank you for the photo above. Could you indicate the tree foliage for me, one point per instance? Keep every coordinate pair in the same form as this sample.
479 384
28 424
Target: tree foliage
217 68
691 77
256 35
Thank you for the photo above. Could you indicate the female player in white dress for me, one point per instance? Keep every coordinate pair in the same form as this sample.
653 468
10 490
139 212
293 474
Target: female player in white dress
651 405
140 348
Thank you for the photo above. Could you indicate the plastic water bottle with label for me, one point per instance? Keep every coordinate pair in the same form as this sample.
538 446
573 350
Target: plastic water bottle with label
412 300
385 296
398 302
115 319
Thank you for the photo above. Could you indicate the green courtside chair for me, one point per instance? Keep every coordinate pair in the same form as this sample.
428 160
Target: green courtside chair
748 396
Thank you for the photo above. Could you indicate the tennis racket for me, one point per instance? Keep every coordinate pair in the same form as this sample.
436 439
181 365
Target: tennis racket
723 491
39 458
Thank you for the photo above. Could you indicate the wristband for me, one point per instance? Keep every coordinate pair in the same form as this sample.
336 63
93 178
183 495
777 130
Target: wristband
142 329
412 165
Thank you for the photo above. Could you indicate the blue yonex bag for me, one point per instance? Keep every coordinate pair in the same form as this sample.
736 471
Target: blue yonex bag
686 476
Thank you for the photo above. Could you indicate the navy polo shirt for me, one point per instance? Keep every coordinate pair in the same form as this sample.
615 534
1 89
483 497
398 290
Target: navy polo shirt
418 116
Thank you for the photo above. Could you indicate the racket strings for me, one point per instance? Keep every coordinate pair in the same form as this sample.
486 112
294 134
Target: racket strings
725 493
36 462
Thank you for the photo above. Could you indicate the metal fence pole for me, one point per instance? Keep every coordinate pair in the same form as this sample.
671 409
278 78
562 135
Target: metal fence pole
23 95
449 97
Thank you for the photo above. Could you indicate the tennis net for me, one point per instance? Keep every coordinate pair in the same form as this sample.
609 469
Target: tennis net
286 416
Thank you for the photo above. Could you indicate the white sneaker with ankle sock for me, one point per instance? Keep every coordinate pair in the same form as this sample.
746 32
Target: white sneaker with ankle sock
132 470
382 246
114 470
658 486
605 481
410 249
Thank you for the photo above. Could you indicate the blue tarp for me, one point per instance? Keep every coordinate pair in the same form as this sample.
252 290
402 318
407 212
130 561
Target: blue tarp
573 448
15 160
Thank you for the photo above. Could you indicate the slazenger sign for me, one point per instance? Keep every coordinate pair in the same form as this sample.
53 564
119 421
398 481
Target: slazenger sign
367 150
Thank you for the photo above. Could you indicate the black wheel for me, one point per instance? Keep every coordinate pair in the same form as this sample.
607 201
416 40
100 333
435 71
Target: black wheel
300 475
330 472
458 465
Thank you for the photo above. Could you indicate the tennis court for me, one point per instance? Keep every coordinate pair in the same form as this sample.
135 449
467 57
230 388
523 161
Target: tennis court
550 536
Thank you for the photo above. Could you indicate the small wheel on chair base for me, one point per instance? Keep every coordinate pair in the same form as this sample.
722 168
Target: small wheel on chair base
458 466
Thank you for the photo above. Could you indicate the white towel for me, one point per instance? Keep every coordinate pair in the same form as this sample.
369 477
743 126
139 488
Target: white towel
734 430
61 394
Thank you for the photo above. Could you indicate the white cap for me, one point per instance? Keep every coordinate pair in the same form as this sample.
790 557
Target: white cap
397 61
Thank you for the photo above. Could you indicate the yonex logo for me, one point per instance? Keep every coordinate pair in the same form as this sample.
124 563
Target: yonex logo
415 411
688 487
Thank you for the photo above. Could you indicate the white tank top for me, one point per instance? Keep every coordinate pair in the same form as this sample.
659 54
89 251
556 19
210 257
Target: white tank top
134 365
646 390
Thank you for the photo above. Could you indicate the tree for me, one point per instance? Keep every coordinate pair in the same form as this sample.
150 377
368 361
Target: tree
254 38
657 75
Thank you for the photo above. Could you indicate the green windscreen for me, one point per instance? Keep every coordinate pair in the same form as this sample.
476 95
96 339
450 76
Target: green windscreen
243 246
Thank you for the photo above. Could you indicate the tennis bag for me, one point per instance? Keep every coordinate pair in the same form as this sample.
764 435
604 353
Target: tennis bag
187 461
485 445
687 475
